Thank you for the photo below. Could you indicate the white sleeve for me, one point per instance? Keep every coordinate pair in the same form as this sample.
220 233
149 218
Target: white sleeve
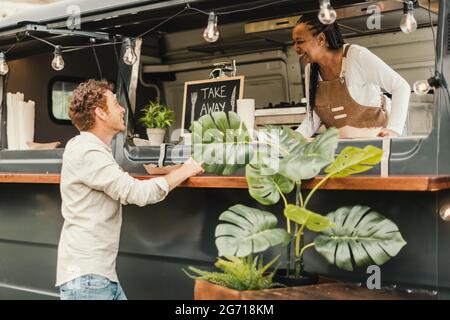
308 126
100 171
381 74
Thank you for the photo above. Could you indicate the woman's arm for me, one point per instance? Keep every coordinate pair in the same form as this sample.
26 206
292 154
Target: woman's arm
381 74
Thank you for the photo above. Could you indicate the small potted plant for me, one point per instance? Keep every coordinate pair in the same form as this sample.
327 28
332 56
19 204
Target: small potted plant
157 118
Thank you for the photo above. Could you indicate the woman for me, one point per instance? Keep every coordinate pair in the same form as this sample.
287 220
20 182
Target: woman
344 84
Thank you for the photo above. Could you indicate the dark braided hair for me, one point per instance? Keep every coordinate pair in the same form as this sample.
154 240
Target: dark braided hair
334 39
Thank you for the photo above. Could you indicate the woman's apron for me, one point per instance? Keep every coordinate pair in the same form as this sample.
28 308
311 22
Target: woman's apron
336 108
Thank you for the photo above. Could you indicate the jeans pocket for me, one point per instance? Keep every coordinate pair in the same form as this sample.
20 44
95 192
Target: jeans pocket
97 282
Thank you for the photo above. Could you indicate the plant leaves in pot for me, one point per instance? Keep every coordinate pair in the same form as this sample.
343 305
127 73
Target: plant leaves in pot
157 118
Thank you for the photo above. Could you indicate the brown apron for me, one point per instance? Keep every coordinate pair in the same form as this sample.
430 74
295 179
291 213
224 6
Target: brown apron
336 108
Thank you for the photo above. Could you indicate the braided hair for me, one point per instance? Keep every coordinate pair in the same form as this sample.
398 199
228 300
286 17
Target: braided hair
334 39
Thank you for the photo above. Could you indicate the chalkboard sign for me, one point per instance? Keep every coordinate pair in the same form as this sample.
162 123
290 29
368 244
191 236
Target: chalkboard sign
207 96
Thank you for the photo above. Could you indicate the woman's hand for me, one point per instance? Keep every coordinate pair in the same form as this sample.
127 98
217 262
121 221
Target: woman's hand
385 132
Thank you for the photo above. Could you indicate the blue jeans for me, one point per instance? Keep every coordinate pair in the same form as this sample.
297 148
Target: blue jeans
91 287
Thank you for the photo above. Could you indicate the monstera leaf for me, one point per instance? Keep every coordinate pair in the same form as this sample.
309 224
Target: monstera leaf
276 143
306 162
360 233
247 231
313 221
265 187
353 160
221 142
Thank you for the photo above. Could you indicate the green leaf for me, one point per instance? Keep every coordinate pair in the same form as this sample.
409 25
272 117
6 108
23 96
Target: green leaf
314 221
353 160
238 273
247 231
266 188
306 162
361 233
221 142
277 143
157 115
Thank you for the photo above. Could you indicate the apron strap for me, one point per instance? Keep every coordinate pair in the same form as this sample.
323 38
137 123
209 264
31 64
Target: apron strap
342 74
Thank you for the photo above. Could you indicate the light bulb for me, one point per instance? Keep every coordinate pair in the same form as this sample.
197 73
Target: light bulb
327 15
211 33
129 57
3 65
58 61
408 23
421 87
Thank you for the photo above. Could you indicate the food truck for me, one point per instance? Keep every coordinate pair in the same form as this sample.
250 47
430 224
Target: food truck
410 186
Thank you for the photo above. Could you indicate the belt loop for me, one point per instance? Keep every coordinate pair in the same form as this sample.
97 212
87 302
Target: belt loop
162 155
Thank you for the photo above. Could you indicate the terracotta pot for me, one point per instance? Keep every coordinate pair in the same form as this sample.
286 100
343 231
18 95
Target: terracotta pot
326 289
155 136
204 290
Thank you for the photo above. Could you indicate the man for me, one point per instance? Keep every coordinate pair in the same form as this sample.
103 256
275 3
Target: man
93 189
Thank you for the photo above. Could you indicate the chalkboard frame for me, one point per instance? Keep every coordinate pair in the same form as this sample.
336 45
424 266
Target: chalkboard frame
196 82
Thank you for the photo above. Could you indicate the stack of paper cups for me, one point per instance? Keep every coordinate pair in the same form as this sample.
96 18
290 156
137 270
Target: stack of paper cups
246 111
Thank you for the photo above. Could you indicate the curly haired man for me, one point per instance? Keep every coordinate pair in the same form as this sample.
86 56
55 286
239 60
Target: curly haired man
93 188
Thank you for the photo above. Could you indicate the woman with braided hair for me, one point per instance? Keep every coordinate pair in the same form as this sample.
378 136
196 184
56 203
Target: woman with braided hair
344 84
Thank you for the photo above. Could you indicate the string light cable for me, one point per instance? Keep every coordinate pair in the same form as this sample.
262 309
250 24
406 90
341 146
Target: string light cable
186 8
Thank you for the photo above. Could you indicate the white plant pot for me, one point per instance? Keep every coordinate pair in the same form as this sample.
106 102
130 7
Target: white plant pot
156 136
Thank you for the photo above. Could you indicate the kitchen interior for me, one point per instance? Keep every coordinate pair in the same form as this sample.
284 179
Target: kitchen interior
260 46
273 75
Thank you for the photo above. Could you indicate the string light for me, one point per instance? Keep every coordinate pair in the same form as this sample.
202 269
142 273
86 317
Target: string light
3 65
422 87
211 33
58 61
408 23
129 57
327 15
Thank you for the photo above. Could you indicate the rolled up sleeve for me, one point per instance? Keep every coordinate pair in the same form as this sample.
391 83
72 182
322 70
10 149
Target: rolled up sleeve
99 171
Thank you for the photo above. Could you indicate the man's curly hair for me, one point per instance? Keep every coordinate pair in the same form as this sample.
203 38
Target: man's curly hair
85 98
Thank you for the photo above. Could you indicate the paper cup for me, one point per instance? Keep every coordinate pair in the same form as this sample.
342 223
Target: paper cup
246 111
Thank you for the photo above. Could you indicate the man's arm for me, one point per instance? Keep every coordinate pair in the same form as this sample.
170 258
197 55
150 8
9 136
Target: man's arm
188 169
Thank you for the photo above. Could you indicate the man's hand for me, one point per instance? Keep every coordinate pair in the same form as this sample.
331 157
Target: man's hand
192 167
387 133
188 169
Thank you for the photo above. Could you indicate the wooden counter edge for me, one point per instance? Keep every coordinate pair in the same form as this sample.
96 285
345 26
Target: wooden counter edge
375 183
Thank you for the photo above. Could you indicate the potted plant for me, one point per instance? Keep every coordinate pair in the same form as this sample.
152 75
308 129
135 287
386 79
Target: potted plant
276 162
157 118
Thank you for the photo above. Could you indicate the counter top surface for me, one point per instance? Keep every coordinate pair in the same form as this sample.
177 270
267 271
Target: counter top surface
392 183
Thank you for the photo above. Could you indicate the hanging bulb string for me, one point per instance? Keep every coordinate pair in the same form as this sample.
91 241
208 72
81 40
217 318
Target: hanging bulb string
186 8
164 22
82 47
251 9
98 63
42 40
13 46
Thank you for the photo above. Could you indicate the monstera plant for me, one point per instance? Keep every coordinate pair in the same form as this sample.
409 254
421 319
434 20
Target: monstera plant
276 161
